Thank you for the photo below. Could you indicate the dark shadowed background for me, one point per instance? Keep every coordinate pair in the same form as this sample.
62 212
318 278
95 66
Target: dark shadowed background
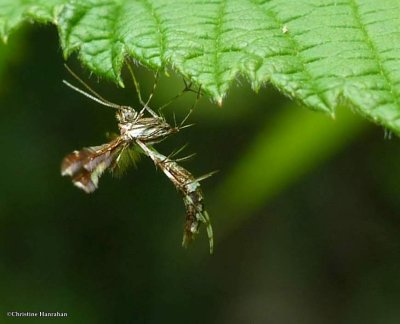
306 209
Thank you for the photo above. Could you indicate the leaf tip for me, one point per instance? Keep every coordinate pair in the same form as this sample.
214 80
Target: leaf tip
66 52
255 85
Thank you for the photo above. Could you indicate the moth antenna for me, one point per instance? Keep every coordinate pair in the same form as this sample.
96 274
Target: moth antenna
99 101
93 92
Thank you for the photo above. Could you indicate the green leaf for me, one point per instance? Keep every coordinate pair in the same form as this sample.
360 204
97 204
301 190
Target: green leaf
319 52
14 12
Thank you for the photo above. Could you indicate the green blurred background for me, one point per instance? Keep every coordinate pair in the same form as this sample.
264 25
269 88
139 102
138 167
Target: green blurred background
305 208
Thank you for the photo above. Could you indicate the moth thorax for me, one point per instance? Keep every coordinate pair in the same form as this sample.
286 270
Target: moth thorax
148 130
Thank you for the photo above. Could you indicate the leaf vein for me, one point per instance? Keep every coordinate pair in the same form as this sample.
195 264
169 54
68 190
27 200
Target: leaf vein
219 20
298 54
160 29
374 52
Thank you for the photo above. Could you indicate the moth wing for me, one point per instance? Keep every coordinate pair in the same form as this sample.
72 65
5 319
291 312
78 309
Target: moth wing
87 165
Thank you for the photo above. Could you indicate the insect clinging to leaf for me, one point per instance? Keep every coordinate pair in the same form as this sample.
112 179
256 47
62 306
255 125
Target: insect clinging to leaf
139 129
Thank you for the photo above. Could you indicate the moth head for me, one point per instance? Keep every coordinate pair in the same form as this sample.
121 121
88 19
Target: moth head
126 115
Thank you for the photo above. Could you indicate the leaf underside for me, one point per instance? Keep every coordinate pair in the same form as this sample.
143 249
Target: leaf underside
319 52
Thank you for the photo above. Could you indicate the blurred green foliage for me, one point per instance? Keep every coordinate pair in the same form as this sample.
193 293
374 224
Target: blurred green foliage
305 208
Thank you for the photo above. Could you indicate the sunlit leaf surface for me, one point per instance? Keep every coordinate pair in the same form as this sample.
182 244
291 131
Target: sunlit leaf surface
320 52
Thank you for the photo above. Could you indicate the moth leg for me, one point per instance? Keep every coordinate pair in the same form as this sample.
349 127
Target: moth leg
190 189
187 88
136 84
